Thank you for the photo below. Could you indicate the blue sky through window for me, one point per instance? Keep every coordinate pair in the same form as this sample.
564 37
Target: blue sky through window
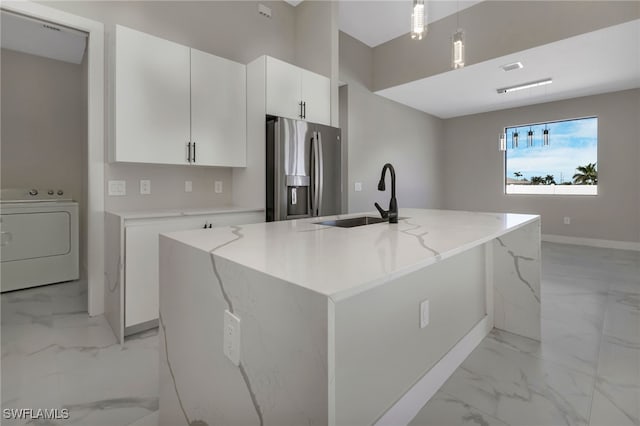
573 143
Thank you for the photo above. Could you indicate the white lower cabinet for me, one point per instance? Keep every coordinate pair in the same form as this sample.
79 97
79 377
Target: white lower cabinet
141 268
139 252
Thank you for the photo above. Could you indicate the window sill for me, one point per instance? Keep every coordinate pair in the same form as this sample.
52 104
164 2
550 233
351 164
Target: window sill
551 189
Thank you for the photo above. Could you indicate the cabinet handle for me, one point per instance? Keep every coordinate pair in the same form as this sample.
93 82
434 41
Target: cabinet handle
189 152
301 115
304 110
194 152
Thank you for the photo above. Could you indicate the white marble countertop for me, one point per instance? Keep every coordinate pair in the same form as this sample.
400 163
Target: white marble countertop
341 262
160 213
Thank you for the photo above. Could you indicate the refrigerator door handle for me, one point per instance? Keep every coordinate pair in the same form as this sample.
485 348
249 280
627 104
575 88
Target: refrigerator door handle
312 172
315 173
320 171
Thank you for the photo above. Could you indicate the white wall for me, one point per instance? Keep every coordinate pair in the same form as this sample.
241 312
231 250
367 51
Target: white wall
44 140
380 131
473 167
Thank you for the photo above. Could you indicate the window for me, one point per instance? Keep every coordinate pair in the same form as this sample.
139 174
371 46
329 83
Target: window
555 158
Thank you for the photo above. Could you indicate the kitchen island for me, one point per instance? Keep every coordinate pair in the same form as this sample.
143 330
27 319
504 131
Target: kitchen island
294 322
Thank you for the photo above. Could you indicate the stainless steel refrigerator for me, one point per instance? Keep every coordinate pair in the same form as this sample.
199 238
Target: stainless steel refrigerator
304 172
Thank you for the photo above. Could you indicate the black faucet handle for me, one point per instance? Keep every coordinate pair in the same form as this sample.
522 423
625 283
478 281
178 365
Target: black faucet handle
383 213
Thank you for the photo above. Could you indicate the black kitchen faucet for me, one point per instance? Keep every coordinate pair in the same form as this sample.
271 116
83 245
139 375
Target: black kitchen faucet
392 213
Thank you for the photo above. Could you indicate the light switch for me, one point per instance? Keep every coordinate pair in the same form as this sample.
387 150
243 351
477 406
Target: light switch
117 187
218 187
188 186
358 186
145 187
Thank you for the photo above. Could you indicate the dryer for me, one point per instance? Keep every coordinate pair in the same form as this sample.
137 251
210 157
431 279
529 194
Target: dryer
38 238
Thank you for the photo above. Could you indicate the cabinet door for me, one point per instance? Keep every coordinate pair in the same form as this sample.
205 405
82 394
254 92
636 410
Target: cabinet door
316 93
142 282
141 267
283 89
218 110
152 117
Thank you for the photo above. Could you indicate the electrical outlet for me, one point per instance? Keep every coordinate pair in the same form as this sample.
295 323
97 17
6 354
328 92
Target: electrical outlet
567 220
357 186
231 339
188 186
117 187
145 187
218 187
424 313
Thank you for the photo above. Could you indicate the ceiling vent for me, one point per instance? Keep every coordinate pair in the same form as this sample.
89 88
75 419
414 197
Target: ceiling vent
512 66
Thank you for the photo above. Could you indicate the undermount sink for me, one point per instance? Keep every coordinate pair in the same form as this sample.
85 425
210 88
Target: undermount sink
352 221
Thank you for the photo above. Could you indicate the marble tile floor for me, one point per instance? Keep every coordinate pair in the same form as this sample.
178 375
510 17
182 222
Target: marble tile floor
55 356
586 370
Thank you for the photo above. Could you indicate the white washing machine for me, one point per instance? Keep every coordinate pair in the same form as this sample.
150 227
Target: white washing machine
38 238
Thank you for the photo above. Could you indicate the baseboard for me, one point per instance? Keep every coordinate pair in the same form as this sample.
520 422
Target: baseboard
592 242
407 407
133 329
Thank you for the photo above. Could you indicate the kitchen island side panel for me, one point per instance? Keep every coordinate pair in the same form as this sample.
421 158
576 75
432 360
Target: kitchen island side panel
516 278
114 274
380 349
282 376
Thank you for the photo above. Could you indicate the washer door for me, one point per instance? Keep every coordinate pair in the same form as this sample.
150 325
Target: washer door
34 235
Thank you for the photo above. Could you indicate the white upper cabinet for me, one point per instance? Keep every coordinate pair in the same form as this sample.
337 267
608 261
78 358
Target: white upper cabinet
218 110
294 92
176 105
283 89
152 119
316 95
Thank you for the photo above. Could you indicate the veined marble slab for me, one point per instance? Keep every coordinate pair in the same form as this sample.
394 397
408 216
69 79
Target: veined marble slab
341 262
329 317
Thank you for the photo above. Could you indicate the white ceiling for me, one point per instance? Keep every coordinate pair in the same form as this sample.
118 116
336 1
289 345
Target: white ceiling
38 38
598 62
378 21
374 22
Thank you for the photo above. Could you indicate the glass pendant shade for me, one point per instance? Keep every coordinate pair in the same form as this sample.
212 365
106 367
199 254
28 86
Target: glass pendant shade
418 20
514 140
457 50
530 138
502 141
545 137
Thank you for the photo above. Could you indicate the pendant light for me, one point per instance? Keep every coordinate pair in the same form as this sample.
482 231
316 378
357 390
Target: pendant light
418 20
457 50
530 138
514 139
545 136
457 45
503 141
